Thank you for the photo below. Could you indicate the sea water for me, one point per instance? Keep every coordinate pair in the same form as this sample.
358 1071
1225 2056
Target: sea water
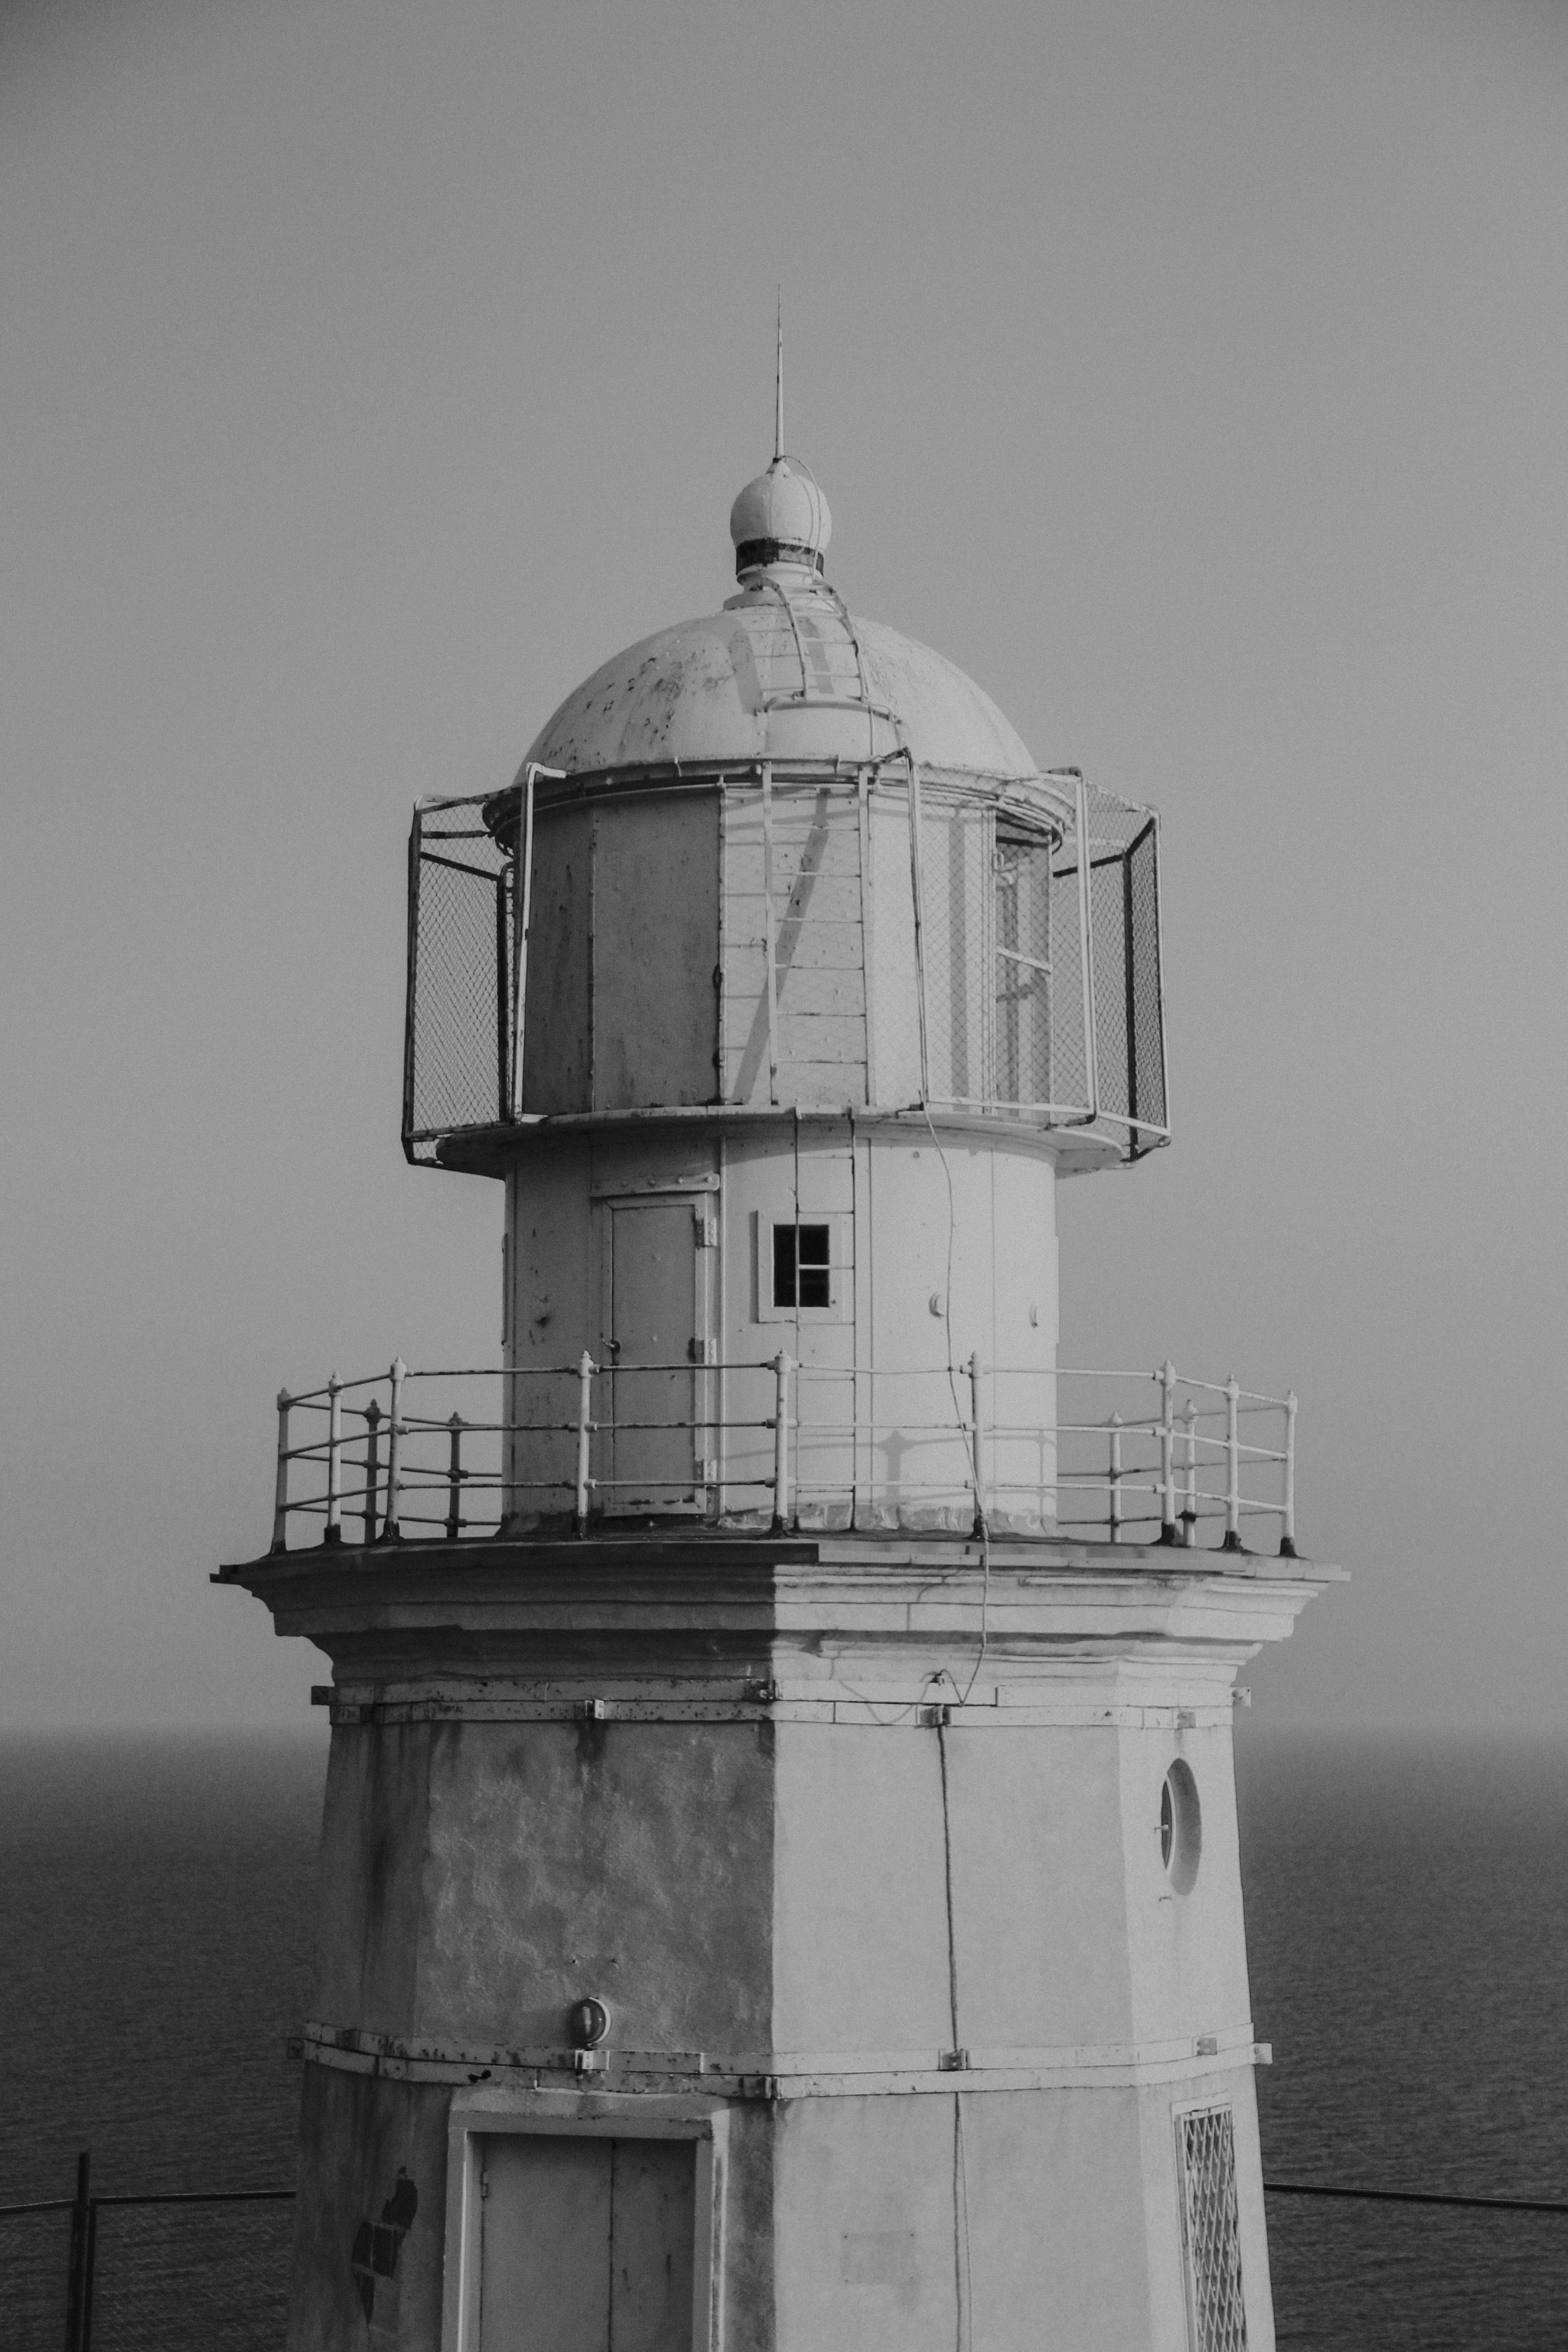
1407 1932
1407 1922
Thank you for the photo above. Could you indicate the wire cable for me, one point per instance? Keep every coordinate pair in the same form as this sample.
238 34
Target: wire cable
981 1525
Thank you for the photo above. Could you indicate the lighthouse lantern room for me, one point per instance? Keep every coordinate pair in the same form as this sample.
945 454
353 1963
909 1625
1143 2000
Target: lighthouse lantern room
780 1875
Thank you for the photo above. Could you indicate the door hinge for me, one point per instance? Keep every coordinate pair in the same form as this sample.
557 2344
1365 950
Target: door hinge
707 1229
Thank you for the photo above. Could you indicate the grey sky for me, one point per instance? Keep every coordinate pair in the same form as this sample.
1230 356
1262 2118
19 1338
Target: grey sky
1191 373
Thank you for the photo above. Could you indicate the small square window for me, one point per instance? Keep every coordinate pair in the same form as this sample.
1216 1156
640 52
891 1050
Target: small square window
802 1260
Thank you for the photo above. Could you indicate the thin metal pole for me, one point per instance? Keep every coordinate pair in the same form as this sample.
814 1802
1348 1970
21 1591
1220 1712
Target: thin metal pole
89 2265
391 1530
585 1370
521 924
455 1480
333 1532
372 1466
917 893
770 941
506 966
1085 943
1190 1511
976 1443
1167 1380
76 2276
280 1490
1232 1466
1115 1477
1287 1539
1130 987
781 1440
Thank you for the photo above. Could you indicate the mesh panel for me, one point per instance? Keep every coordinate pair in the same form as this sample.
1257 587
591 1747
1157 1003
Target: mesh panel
1000 949
184 2278
1069 1038
459 950
1146 1083
35 2253
166 2278
1021 912
1129 1011
956 924
1211 2231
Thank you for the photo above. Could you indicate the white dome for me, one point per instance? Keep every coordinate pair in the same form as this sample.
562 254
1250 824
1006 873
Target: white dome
783 672
701 691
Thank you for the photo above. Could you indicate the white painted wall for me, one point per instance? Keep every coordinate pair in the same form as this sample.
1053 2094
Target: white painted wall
943 1245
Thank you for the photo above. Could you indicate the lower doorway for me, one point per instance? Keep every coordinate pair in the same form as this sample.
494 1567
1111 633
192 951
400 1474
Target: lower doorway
585 2245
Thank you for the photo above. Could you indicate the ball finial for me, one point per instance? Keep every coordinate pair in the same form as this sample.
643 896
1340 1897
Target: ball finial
781 518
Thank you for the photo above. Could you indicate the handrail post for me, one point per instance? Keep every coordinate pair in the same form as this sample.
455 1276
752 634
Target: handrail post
281 1488
1190 1510
781 1440
1287 1538
1166 1376
454 1479
976 1444
1115 1477
372 1466
391 1526
585 1370
334 1531
1232 1466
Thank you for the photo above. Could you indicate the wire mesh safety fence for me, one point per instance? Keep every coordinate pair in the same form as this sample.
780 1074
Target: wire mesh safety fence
1111 1457
189 2273
891 939
146 2273
1124 915
461 959
35 2279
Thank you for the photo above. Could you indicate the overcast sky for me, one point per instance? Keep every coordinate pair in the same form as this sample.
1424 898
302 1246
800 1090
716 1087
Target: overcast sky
1193 371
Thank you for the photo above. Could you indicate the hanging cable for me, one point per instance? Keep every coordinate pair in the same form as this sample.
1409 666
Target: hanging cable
981 1525
957 2057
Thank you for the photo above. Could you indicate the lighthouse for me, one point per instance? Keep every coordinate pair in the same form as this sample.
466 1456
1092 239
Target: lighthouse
780 1886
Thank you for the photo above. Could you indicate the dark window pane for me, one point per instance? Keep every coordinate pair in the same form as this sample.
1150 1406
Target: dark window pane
801 1266
784 1266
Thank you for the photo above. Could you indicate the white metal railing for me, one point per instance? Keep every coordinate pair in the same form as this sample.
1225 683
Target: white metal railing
784 1445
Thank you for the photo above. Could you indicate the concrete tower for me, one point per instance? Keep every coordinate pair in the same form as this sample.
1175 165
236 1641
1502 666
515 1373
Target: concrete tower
780 1882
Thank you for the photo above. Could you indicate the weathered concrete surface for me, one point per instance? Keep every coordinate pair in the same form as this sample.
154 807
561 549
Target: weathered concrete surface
361 2139
924 1956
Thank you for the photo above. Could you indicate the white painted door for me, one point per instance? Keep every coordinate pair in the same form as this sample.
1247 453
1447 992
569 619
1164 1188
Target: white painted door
587 2246
653 1458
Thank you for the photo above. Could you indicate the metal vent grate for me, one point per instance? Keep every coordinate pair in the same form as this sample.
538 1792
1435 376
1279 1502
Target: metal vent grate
1210 2230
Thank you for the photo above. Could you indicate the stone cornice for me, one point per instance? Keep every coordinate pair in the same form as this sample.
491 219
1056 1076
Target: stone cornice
864 1620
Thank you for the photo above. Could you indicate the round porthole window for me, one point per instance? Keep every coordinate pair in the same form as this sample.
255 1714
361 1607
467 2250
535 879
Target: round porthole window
1181 1827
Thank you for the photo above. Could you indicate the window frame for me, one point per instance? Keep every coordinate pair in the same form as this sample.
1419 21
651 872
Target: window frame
840 1305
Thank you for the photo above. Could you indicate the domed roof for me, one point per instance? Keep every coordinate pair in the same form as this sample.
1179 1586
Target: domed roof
783 672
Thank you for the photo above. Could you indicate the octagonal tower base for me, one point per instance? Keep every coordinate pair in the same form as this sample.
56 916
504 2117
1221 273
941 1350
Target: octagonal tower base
722 1946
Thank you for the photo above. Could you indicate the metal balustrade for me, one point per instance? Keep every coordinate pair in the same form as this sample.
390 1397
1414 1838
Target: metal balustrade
967 1448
